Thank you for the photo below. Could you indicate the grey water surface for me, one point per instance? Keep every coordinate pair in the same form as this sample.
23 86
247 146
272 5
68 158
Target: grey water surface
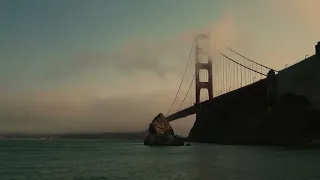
116 160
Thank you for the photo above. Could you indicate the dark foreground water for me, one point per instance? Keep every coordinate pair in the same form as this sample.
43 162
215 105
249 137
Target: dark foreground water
93 160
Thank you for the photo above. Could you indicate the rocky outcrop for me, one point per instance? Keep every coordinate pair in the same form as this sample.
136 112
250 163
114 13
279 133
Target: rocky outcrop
161 133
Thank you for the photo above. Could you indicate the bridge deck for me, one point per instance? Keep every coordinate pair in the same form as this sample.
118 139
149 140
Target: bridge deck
219 99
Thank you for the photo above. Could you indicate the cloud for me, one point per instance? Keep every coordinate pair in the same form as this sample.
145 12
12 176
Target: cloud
305 12
226 31
71 110
55 112
136 55
44 112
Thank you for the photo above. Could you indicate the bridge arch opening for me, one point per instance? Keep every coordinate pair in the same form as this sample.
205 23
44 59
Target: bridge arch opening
204 94
204 58
203 75
183 126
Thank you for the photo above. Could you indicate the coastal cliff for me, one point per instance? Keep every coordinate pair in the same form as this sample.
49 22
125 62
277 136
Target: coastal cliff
291 121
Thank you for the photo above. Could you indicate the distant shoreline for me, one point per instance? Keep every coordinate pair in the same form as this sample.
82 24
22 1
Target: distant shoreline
103 135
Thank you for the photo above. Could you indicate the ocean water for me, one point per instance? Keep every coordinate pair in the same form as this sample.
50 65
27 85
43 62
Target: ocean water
117 160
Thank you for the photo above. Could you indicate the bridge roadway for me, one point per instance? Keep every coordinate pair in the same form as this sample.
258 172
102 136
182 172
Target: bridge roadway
259 88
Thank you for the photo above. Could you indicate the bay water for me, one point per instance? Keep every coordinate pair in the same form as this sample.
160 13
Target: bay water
131 160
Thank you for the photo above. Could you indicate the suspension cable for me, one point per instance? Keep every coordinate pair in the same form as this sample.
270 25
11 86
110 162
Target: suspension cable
189 87
242 65
186 93
181 81
250 59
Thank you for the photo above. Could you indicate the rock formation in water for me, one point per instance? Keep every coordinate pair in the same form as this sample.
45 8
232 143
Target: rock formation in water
161 133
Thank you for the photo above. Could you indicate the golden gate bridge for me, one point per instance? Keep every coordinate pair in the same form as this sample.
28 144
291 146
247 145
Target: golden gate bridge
214 77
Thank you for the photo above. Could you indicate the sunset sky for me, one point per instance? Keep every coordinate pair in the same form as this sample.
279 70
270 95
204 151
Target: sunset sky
112 65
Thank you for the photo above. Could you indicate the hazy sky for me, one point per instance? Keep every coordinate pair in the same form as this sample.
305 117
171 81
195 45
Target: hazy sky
112 65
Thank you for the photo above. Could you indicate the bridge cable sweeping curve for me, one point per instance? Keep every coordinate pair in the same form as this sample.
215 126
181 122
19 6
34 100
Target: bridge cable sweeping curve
249 59
181 81
242 65
188 88
187 93
228 58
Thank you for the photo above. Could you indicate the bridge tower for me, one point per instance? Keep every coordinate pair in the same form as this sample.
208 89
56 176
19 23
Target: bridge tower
318 49
199 51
